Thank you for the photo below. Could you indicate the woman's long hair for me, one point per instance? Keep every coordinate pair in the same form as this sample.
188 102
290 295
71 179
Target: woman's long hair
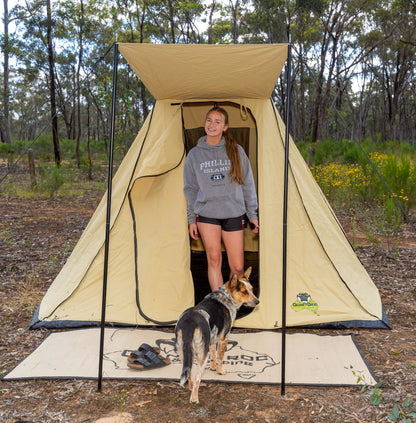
236 171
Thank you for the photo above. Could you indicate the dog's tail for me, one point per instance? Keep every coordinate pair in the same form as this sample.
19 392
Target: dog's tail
183 345
187 363
192 342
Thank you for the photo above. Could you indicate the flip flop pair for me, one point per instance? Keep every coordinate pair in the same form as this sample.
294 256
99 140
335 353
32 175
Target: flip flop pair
146 358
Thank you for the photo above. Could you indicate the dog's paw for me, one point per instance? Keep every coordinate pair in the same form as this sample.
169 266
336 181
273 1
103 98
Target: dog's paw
221 371
194 399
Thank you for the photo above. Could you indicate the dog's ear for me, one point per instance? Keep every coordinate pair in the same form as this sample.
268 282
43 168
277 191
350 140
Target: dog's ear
247 273
234 282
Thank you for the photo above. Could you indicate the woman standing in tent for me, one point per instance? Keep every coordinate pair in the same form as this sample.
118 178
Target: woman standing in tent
219 190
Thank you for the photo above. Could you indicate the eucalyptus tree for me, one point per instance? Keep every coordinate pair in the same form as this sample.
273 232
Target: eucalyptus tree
174 21
267 21
169 21
136 28
72 30
328 48
30 104
5 135
36 17
270 21
231 23
210 10
336 55
305 35
297 22
393 65
52 81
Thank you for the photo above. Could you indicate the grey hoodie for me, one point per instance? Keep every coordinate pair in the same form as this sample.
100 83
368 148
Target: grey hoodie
209 190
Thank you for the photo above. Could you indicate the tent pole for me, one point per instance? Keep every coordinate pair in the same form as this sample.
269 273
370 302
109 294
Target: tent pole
285 203
107 226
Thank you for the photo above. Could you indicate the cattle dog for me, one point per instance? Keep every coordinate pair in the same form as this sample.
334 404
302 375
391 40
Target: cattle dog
201 328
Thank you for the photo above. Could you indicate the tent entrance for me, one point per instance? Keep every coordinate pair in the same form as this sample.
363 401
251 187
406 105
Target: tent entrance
199 275
243 129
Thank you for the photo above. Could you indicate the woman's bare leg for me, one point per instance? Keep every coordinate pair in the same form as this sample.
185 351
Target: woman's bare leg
211 238
234 245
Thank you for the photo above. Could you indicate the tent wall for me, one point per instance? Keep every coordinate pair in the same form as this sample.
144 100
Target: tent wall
153 165
321 261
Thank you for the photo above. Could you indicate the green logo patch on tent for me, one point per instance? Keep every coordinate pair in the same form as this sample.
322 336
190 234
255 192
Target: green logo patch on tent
304 302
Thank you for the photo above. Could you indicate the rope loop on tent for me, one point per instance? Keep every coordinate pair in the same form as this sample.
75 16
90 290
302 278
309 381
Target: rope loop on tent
243 112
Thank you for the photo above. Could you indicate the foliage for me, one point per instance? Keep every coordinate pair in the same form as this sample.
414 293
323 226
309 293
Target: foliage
11 151
388 220
379 191
52 179
348 173
404 413
354 182
375 391
65 180
353 62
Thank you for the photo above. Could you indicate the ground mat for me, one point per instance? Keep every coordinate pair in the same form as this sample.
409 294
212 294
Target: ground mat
311 359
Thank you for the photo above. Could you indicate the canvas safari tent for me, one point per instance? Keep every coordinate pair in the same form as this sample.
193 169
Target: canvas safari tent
149 276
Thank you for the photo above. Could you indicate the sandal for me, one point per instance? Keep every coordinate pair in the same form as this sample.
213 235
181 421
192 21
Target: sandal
147 361
143 349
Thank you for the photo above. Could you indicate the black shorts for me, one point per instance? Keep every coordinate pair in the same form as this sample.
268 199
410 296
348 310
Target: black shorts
228 225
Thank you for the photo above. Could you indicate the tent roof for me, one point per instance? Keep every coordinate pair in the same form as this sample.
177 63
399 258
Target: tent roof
207 71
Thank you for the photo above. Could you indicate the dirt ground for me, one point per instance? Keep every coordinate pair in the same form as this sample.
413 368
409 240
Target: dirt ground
36 237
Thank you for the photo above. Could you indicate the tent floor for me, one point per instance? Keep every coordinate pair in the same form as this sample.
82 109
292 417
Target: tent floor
199 274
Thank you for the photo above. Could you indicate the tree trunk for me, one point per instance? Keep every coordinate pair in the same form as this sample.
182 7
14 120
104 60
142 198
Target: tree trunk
89 137
32 172
234 11
141 19
5 118
80 54
172 21
52 87
211 13
302 118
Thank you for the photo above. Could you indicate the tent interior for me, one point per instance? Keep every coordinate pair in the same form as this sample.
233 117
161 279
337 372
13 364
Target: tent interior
243 130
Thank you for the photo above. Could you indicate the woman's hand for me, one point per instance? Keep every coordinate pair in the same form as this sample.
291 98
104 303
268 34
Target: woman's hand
193 231
255 224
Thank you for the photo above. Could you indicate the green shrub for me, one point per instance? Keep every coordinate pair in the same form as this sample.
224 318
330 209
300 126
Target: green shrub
7 150
404 413
358 186
52 178
352 153
388 220
399 174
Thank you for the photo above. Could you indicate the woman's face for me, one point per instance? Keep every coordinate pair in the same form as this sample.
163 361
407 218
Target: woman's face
215 124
